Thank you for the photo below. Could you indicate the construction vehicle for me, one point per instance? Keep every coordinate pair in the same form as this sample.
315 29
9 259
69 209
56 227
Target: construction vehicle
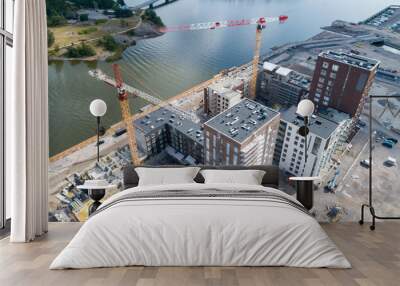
126 115
260 25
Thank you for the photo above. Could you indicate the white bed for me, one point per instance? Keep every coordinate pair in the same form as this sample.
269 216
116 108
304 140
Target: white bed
209 230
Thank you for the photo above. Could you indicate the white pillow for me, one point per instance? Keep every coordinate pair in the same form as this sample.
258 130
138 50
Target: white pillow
166 176
247 177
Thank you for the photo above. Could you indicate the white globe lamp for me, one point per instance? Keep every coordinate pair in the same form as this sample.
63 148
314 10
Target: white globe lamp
305 108
98 108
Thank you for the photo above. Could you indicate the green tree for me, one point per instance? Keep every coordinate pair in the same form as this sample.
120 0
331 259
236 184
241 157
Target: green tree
81 51
123 13
109 43
121 3
151 16
50 38
56 20
84 17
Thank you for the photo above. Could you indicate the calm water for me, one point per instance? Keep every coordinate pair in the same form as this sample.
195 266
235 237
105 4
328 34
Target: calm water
166 65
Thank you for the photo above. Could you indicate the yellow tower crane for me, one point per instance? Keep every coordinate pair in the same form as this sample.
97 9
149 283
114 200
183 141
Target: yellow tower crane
126 115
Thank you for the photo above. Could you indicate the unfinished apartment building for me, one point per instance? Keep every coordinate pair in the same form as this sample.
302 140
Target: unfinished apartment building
222 95
280 86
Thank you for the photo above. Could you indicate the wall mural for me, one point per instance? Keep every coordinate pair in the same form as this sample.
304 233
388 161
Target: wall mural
158 82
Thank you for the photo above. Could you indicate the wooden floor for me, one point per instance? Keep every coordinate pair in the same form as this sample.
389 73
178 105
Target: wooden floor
375 257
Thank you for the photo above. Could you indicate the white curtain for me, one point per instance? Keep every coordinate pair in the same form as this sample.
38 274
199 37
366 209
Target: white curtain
27 124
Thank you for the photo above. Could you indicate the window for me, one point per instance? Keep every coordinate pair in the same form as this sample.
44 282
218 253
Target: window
333 75
361 82
335 68
6 43
321 80
323 72
228 153
325 65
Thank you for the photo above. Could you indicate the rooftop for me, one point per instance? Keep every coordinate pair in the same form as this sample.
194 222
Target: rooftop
283 71
269 66
161 117
226 87
241 120
320 126
351 59
334 115
292 77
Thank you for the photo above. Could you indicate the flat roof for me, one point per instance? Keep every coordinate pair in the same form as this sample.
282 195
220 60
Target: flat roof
225 88
269 66
283 71
161 117
320 126
241 120
334 115
351 59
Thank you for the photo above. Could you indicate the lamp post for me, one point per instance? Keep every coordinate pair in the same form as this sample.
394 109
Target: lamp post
305 109
305 184
98 108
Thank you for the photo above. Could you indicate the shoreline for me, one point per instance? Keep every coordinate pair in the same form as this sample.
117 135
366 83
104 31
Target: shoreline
145 30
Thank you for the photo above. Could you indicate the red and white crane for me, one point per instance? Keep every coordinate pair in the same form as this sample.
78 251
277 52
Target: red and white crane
261 24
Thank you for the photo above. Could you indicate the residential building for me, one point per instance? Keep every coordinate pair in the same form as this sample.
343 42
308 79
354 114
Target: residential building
244 134
221 96
342 81
165 130
282 86
326 133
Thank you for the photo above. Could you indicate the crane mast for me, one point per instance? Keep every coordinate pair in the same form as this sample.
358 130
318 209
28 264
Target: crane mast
256 60
126 115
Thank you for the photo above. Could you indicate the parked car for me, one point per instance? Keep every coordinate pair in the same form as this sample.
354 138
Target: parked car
362 123
394 140
390 162
388 143
365 163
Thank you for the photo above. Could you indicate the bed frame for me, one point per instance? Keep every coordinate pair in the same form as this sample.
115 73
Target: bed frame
271 177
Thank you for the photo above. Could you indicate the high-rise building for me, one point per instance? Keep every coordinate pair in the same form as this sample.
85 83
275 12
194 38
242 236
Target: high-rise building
282 86
245 134
326 133
222 95
165 130
342 81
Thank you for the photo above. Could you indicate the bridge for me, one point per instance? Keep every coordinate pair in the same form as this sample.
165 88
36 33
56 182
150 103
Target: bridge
151 4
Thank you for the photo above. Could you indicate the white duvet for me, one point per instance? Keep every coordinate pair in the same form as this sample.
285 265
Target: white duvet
202 232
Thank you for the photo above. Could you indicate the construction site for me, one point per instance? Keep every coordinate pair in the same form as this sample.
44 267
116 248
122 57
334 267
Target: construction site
172 131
